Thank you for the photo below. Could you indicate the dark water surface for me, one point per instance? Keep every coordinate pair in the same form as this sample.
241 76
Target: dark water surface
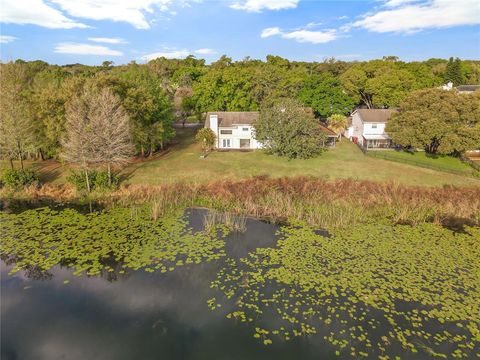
137 315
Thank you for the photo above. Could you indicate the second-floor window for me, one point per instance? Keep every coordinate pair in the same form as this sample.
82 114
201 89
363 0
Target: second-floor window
245 129
374 126
226 132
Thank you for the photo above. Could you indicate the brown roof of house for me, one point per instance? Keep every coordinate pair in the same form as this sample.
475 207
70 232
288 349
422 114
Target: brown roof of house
327 130
469 88
375 115
229 118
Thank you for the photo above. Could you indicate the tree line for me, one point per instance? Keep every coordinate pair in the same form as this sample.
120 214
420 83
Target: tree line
37 98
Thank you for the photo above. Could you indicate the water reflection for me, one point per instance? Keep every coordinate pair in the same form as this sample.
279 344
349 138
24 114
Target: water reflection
136 315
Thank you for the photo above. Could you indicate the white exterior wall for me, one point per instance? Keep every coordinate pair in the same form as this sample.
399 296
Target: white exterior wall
360 128
348 133
357 128
238 133
373 128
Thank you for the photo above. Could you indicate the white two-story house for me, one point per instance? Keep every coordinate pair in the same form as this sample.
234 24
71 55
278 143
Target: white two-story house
233 129
368 128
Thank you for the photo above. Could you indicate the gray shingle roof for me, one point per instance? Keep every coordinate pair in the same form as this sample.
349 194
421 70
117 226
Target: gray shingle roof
375 115
230 118
468 87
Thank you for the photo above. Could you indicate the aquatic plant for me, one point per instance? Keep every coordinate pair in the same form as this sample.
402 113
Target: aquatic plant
367 290
117 239
213 219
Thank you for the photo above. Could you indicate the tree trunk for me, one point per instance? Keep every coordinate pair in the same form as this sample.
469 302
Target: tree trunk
40 151
151 150
109 174
21 160
11 163
88 181
20 154
142 151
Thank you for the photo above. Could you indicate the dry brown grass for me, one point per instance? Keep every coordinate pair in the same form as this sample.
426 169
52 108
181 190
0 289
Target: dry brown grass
58 193
321 202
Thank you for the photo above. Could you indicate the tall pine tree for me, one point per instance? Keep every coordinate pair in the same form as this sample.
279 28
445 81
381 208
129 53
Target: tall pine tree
453 72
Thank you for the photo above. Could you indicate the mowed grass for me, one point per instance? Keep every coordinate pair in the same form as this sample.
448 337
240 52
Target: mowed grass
182 163
421 158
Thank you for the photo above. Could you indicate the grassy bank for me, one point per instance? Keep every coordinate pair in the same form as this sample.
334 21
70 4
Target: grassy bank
182 163
318 202
422 159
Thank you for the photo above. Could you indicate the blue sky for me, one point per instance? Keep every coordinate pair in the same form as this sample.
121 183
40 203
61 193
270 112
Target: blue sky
91 31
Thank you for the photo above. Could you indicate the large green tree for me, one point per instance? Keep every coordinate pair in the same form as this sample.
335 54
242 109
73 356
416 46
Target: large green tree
325 95
441 122
225 88
379 83
286 129
17 131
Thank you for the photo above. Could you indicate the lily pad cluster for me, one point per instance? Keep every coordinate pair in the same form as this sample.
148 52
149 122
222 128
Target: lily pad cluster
374 291
117 239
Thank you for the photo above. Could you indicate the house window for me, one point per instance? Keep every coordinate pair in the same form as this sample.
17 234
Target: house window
226 132
244 143
245 129
374 126
226 143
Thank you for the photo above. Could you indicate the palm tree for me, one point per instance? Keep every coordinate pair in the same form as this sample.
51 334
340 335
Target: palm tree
338 123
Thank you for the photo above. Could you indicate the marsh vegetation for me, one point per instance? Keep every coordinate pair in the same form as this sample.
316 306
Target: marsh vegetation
365 269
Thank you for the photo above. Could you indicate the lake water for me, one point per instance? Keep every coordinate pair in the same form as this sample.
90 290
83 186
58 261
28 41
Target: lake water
137 315
152 315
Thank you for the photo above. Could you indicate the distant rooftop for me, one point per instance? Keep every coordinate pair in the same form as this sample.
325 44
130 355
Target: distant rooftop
468 88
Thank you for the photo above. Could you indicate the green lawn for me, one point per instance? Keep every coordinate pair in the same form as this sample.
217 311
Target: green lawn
420 158
182 162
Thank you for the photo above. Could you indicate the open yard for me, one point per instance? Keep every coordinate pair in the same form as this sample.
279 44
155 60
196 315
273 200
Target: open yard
182 163
421 158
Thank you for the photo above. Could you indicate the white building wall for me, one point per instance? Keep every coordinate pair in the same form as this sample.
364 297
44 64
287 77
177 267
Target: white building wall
373 128
348 132
357 127
238 132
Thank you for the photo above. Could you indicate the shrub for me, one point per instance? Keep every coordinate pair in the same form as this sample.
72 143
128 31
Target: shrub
97 179
18 178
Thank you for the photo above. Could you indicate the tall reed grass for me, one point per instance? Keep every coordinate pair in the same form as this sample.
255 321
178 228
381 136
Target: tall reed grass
236 223
317 201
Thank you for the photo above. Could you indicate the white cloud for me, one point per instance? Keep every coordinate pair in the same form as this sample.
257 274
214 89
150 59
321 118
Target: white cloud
394 3
270 32
5 39
205 51
312 25
406 16
49 13
314 37
132 12
169 54
259 5
35 12
86 49
107 40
